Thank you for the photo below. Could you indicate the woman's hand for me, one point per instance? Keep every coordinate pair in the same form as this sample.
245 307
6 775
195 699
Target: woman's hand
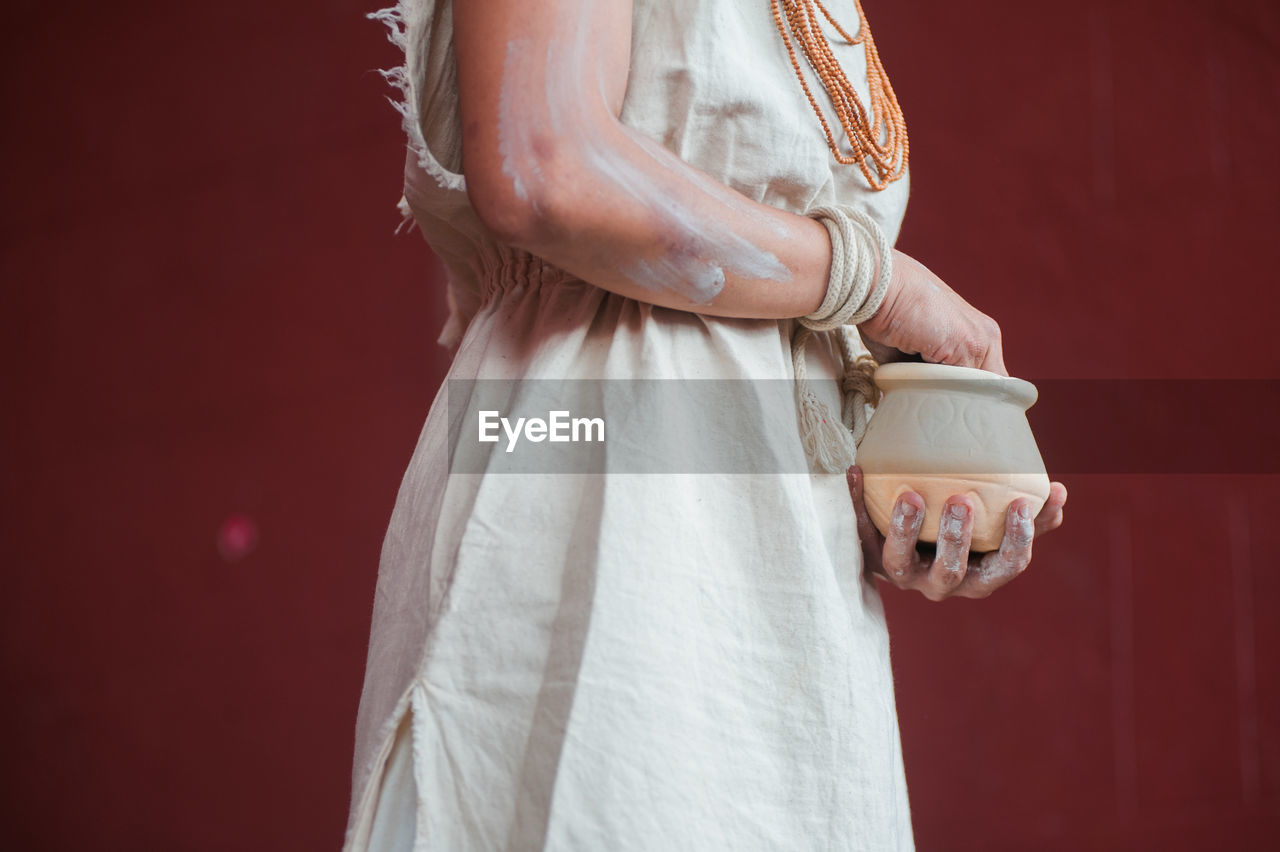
922 315
951 570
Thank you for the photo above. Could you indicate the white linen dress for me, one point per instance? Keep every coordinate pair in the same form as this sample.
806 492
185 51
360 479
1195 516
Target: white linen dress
627 661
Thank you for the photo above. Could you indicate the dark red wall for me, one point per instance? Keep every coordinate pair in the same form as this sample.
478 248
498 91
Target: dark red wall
205 316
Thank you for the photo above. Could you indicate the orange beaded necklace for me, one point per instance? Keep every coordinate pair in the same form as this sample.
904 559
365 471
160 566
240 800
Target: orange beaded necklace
881 162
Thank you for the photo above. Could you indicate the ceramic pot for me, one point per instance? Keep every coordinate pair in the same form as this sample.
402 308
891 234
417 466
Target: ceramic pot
941 430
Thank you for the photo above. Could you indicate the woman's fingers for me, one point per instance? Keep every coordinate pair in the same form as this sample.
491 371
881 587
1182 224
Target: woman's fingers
901 560
867 533
951 559
1050 517
993 359
951 571
1000 566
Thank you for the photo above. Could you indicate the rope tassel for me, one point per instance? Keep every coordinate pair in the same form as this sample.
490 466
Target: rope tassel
827 441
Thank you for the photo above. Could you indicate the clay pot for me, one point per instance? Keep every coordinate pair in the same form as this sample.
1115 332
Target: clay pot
942 430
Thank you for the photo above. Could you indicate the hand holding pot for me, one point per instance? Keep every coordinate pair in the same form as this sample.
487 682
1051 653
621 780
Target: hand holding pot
951 569
978 454
922 315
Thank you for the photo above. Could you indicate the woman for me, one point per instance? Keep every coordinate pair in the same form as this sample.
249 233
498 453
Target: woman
623 660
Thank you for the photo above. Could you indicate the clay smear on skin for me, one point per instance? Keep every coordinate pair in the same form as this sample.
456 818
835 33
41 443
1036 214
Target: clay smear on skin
952 523
904 524
514 137
699 250
996 568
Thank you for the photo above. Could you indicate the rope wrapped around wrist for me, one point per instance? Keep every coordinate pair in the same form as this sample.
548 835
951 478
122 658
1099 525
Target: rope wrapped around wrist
861 264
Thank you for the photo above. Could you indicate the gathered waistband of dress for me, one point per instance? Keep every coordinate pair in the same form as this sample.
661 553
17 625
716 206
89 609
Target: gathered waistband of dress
500 267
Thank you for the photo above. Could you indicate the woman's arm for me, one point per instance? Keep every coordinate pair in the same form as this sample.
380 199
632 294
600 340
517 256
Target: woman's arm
552 170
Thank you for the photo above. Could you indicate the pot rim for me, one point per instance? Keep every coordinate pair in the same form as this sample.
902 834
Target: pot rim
913 374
